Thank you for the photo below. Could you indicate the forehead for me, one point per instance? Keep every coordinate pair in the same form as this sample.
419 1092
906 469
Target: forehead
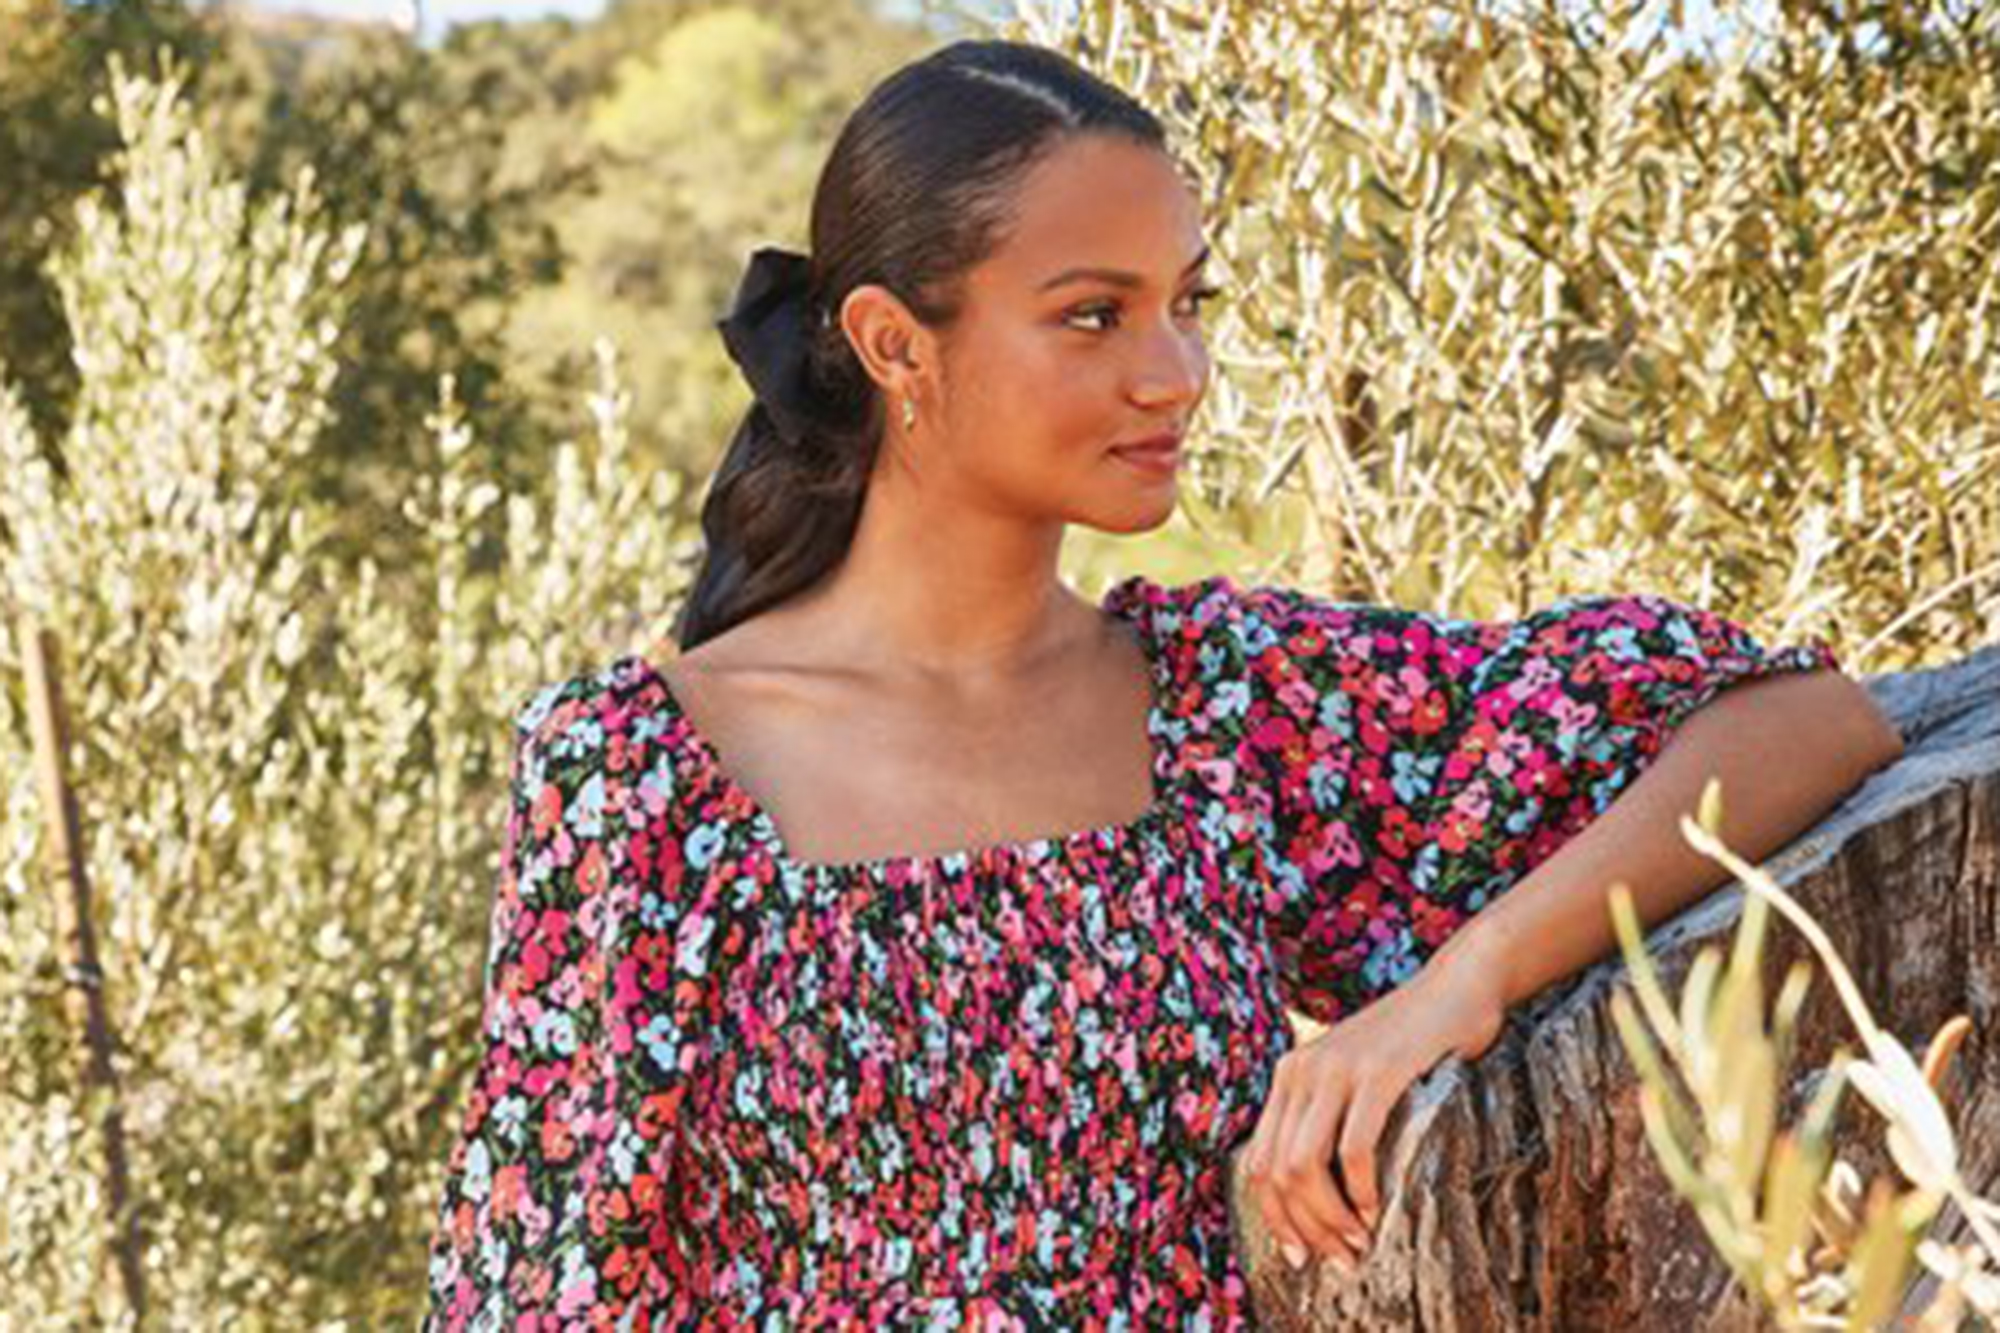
1098 201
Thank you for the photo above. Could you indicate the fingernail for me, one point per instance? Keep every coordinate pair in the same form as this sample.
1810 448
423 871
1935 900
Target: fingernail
1295 1255
1357 1240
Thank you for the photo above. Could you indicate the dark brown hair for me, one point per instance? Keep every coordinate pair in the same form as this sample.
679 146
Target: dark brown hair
915 192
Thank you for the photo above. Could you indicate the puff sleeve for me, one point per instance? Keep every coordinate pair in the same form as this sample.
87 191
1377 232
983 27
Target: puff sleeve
555 1209
1420 765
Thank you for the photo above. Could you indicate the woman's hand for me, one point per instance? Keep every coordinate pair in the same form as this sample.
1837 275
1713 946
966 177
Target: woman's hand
1331 1096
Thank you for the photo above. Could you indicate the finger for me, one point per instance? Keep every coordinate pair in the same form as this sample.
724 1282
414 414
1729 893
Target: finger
1270 1194
1257 1148
1257 1159
1359 1137
1304 1173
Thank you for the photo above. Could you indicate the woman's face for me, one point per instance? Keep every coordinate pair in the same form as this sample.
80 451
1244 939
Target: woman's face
1082 332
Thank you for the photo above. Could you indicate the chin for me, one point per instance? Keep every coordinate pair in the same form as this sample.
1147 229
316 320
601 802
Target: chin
1131 518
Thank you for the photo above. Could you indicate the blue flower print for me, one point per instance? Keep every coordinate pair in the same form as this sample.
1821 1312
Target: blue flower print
540 706
585 812
509 1114
580 739
1621 644
1327 785
653 911
661 1038
1393 961
1335 708
1412 775
1257 635
941 1019
478 1170
556 1031
700 847
691 955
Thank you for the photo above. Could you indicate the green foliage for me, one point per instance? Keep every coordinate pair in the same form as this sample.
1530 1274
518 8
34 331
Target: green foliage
1533 302
415 144
287 777
52 148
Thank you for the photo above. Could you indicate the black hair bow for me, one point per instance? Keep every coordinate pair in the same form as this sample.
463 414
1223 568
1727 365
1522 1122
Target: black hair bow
769 334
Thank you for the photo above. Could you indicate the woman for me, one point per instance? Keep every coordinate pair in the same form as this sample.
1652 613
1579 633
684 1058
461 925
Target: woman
915 950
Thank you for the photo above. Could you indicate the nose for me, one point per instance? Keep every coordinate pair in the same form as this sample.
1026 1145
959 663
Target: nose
1173 368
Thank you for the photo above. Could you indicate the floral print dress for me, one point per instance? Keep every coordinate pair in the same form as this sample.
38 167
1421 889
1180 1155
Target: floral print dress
723 1088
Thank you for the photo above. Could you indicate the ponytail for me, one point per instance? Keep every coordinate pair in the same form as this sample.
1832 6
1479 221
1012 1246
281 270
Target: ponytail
786 497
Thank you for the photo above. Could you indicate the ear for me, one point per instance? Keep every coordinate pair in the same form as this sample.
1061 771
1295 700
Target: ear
895 348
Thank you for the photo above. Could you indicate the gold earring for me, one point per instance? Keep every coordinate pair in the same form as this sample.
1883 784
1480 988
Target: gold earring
909 415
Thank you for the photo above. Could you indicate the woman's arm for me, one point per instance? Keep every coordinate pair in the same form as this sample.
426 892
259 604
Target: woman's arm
1786 749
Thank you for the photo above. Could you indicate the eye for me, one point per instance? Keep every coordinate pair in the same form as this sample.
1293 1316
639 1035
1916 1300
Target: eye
1196 298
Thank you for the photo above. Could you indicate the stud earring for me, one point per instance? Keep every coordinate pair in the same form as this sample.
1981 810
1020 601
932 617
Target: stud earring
909 415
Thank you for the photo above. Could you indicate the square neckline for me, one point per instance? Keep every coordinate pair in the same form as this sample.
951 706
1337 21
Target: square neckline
1123 602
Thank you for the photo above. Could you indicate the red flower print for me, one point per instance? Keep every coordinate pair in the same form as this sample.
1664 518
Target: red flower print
546 814
593 870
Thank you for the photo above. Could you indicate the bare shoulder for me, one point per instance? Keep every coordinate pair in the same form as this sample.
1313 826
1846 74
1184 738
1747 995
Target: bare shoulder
748 664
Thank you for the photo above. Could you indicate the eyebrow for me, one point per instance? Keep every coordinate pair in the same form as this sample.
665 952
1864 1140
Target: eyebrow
1116 276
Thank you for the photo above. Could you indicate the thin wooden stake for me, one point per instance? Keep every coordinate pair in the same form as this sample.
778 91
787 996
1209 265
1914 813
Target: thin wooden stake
83 996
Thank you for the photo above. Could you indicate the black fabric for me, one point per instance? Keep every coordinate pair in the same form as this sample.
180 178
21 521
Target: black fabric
769 333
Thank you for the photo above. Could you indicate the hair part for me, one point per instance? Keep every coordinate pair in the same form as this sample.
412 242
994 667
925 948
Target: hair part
918 189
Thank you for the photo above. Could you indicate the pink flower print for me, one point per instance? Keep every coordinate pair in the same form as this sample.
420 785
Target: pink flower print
1401 689
1536 675
1572 716
1298 696
1497 706
1125 1051
1197 1108
1510 750
534 965
1273 733
1475 802
1338 847
1218 774
1479 738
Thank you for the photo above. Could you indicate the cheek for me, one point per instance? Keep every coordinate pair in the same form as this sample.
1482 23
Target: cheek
1040 402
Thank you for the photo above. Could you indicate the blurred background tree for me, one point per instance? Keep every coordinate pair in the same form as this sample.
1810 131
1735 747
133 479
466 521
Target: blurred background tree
52 149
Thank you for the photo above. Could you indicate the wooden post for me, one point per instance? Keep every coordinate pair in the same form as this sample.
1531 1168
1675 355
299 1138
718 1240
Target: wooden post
83 996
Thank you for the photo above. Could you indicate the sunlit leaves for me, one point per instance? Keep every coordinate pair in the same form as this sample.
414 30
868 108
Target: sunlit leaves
288 774
1627 311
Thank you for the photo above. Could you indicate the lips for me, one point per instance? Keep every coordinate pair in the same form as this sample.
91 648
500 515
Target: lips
1159 456
1157 444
